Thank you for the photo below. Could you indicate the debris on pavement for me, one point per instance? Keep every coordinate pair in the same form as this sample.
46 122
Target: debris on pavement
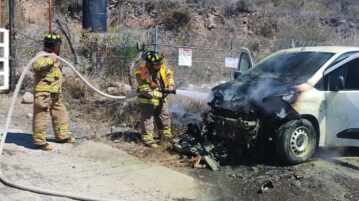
267 187
192 143
298 176
198 162
211 163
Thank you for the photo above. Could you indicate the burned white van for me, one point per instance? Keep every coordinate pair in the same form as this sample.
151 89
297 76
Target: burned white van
298 98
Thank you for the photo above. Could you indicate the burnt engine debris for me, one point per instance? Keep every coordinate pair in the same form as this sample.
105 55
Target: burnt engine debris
244 115
196 143
241 109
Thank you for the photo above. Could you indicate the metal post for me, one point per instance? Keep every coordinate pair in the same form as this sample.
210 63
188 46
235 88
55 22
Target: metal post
155 39
11 44
50 15
231 72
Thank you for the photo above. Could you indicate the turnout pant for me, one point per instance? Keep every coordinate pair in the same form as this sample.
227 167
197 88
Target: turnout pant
45 105
151 115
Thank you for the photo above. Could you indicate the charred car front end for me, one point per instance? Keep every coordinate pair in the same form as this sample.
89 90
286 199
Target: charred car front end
249 110
260 107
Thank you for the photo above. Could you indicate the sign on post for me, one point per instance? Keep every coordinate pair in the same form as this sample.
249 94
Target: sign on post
184 57
230 62
4 59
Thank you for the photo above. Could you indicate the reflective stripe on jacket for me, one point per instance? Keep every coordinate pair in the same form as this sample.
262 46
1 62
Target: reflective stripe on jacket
47 74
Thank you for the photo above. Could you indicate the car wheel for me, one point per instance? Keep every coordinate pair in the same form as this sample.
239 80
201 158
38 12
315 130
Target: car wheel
296 141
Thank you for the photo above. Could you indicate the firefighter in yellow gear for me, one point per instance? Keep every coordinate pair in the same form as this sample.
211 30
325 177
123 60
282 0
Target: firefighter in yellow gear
155 81
47 72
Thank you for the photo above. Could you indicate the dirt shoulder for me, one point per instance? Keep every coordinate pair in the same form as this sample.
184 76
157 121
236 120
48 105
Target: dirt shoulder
89 168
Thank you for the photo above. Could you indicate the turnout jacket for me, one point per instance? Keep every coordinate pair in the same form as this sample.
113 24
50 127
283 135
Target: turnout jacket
47 73
150 82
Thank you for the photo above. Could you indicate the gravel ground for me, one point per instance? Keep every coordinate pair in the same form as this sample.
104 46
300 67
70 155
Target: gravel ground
89 168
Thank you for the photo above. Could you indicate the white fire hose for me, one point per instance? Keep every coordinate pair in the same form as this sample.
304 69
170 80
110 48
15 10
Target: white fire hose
7 182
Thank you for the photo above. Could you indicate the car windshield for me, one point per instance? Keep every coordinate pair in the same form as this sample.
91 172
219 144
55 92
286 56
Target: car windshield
296 67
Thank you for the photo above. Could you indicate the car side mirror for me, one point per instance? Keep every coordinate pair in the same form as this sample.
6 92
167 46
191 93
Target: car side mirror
237 74
340 83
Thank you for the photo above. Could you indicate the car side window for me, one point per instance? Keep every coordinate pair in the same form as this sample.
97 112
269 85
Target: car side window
330 80
342 57
352 81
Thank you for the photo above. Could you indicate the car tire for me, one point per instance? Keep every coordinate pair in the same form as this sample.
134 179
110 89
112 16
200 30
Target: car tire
296 141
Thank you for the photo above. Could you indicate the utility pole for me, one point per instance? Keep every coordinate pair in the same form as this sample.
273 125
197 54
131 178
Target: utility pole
11 44
50 15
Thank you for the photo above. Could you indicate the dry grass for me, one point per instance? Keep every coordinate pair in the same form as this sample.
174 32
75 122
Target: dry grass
164 155
76 88
306 30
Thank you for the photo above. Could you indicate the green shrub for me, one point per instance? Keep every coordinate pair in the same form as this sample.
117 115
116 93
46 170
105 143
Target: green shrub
176 18
266 26
239 6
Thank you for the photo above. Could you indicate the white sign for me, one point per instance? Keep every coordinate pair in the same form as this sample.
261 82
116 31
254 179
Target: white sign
184 57
230 62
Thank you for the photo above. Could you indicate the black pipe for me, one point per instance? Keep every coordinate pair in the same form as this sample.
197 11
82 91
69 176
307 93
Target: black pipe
11 44
68 40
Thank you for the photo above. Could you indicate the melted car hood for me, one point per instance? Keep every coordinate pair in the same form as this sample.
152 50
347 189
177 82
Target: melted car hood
247 96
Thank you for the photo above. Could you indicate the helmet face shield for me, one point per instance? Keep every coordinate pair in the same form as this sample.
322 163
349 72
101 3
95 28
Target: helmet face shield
155 65
51 40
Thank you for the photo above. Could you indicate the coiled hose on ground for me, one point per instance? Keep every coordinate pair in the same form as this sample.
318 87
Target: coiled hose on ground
6 181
